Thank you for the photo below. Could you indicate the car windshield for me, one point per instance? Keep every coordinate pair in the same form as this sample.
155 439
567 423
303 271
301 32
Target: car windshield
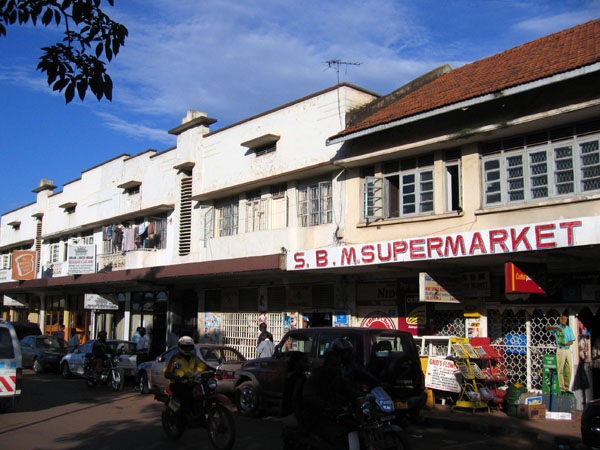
50 343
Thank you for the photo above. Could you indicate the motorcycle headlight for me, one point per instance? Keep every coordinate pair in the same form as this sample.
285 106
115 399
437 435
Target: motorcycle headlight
386 405
211 383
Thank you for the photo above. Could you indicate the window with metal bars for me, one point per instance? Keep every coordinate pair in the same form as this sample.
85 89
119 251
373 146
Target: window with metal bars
227 217
315 204
405 189
565 168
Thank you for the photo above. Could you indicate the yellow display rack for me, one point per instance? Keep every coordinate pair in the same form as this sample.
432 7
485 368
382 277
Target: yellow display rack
472 376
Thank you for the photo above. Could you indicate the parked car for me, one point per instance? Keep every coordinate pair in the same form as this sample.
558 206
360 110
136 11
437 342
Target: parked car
72 363
24 329
11 367
223 359
390 355
42 352
590 424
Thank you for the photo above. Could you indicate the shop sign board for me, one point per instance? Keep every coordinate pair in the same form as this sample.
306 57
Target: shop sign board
441 375
105 302
494 241
432 291
415 319
14 302
379 319
376 294
81 259
520 279
23 264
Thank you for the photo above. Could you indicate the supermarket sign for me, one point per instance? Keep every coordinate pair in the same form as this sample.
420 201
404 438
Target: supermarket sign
495 241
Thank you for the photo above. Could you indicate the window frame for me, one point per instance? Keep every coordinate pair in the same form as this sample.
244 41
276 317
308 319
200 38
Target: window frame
378 201
560 171
227 224
315 203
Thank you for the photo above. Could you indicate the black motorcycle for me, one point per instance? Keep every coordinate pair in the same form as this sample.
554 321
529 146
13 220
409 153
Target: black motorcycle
110 372
208 410
369 424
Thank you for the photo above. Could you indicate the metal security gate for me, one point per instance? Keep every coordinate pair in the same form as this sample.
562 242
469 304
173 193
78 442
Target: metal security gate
240 330
521 339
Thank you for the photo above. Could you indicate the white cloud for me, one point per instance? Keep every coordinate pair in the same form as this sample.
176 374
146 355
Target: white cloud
554 23
233 59
136 130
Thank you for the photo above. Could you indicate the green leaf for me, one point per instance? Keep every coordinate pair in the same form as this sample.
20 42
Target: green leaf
47 17
66 4
70 92
82 86
57 17
108 52
60 84
108 86
99 49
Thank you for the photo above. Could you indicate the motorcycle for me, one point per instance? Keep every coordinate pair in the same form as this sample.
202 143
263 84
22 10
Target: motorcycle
370 424
110 372
207 410
376 430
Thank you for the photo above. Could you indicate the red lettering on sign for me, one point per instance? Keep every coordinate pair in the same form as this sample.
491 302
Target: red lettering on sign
417 249
299 260
569 226
521 237
380 256
398 247
454 245
435 244
498 237
540 235
321 256
477 243
348 255
368 254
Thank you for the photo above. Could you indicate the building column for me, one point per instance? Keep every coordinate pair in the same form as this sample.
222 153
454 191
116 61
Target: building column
42 317
127 317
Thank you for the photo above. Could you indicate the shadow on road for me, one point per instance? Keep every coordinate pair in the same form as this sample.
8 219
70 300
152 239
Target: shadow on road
73 390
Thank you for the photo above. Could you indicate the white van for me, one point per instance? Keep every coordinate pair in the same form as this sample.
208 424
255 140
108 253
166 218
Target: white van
11 366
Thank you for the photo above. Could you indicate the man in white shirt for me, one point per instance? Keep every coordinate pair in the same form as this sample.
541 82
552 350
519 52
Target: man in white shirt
143 346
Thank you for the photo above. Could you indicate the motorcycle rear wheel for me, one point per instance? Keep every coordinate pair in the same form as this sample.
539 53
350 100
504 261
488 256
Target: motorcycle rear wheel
221 427
172 423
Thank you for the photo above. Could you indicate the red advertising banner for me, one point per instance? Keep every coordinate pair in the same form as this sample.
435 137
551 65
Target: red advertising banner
517 280
23 264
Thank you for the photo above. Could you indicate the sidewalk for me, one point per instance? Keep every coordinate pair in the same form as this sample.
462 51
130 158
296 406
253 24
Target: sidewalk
559 433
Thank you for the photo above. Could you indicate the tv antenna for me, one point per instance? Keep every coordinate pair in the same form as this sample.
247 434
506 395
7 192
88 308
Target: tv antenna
336 63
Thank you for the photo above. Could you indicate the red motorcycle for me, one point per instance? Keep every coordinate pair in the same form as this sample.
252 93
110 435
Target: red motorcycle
208 410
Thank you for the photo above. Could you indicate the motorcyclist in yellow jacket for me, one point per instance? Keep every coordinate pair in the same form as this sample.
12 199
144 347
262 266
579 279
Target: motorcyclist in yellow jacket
180 367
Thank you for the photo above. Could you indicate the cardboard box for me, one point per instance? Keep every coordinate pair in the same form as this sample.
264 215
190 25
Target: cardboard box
531 412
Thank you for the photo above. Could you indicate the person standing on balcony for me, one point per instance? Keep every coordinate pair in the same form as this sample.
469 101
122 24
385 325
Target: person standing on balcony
564 360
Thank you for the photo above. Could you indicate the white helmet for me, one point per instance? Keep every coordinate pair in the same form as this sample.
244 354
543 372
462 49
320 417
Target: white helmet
186 345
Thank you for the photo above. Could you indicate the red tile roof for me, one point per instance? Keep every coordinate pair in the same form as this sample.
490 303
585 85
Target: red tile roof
550 55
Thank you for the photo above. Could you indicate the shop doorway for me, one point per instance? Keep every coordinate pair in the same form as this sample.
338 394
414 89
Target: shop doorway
318 319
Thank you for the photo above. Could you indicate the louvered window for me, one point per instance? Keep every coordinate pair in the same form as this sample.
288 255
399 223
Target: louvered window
185 216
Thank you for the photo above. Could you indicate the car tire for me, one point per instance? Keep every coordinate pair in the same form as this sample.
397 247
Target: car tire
247 400
64 370
143 385
37 366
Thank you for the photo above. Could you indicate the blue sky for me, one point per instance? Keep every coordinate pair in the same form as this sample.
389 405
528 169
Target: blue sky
233 59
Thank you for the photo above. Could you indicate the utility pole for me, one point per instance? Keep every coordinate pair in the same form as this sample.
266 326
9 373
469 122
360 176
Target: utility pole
336 63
